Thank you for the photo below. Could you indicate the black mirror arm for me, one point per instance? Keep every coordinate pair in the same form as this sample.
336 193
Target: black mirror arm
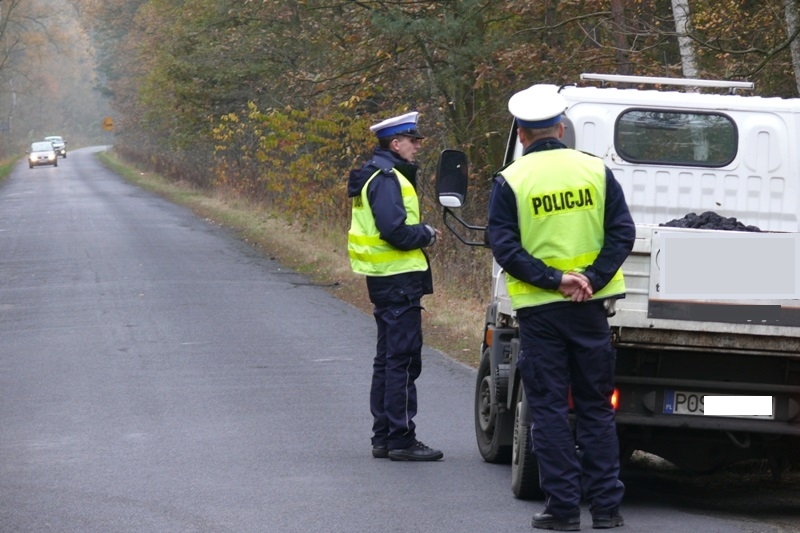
448 214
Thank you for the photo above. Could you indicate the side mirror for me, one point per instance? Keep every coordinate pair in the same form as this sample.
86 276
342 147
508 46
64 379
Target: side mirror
451 178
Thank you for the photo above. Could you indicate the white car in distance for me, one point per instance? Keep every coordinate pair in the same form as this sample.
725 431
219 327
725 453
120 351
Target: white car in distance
42 153
59 144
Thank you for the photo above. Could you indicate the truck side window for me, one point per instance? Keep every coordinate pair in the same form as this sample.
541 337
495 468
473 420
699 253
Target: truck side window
656 136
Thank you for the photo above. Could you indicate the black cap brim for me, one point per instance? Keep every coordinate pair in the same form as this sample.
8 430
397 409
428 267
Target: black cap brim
414 134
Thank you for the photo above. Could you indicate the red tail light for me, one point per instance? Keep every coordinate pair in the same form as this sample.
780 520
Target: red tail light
614 399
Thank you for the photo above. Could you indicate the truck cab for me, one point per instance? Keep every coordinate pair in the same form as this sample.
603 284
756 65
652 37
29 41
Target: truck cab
712 310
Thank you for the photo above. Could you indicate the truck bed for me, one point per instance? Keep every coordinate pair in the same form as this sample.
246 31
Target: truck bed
744 285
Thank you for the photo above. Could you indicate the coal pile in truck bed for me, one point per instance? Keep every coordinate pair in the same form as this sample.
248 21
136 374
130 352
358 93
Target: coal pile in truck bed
709 220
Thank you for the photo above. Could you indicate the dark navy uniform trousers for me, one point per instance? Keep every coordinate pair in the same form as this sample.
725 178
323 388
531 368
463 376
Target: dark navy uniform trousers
563 346
397 365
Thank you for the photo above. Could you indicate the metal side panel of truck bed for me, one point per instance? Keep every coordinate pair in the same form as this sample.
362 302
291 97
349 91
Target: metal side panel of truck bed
730 291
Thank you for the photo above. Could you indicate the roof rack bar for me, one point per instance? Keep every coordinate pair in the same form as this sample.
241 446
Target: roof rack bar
686 82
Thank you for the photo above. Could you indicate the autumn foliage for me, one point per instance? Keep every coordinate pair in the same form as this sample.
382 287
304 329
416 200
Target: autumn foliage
272 99
289 157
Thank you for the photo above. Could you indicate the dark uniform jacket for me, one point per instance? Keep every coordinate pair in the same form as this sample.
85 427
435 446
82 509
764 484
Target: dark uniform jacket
390 218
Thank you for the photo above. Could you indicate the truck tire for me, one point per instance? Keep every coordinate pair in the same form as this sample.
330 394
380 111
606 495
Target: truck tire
524 466
489 424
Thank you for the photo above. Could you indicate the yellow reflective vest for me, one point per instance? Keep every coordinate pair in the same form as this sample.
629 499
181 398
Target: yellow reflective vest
560 218
373 256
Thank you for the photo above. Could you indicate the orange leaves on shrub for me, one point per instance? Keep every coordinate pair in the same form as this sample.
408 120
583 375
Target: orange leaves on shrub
294 160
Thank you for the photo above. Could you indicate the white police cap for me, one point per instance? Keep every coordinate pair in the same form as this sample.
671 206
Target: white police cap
403 125
538 107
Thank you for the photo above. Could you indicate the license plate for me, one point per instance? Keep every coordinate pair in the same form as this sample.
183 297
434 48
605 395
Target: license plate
693 403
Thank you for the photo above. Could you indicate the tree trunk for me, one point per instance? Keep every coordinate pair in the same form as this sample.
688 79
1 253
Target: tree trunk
790 8
680 11
620 40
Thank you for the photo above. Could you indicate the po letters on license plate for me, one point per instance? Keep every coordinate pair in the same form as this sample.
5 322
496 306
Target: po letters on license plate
683 403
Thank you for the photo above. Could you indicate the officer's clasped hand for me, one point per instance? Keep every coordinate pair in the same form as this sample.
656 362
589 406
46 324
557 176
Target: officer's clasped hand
575 286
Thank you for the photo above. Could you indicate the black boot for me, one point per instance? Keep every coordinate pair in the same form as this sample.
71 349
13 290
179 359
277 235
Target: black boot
416 452
607 519
546 520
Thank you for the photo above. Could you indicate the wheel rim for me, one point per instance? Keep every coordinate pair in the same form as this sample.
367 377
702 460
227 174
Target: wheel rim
486 416
515 446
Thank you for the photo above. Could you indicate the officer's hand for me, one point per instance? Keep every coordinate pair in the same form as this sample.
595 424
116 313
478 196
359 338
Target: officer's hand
584 278
435 234
575 286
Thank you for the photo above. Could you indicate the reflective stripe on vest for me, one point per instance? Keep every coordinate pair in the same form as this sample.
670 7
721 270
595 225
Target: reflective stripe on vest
560 218
373 256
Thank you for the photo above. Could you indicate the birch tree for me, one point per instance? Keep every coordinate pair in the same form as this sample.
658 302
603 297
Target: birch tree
681 13
790 8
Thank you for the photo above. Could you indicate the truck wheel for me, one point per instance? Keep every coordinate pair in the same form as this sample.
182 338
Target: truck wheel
524 466
489 424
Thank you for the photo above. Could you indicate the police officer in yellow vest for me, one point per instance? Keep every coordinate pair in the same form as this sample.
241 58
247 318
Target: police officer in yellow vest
560 227
385 244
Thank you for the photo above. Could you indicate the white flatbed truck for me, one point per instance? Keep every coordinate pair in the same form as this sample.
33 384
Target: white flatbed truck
708 335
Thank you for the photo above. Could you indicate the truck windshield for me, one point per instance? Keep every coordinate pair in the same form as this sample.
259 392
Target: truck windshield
675 138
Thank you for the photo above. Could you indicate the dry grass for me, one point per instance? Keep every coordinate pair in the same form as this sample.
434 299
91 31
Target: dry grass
452 324
6 166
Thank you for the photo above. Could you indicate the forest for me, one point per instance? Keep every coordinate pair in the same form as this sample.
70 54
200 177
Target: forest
271 100
48 77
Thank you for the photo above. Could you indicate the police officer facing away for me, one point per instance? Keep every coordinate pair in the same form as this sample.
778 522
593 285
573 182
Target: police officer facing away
560 227
385 243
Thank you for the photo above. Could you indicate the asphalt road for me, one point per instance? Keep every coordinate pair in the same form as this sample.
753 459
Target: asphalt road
158 375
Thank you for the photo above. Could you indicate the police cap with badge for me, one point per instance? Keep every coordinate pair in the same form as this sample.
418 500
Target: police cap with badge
537 107
405 125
